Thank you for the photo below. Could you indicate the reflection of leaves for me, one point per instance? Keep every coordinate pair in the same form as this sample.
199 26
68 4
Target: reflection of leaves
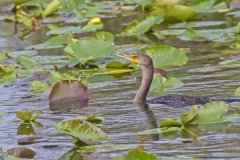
25 129
73 154
81 129
136 155
142 26
38 86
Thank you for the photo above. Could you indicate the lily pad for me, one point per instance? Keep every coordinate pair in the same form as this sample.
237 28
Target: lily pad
65 30
163 56
27 61
161 84
27 116
142 26
80 128
51 8
38 86
90 49
136 155
237 92
94 119
105 36
20 152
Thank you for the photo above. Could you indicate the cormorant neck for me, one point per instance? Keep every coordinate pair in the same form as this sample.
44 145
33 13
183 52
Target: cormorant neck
147 76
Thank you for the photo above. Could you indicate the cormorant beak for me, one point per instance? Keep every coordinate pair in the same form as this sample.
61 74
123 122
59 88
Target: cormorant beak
130 57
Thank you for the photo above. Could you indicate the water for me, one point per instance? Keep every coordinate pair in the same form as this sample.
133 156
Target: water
111 98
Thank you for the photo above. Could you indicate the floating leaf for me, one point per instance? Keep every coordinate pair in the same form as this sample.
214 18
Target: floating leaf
67 95
189 35
51 8
94 119
105 36
237 92
38 86
202 5
187 118
211 112
8 78
20 152
90 49
27 116
142 26
55 77
168 122
79 128
92 27
54 42
161 84
174 12
26 61
166 56
116 71
136 155
65 30
198 24
117 65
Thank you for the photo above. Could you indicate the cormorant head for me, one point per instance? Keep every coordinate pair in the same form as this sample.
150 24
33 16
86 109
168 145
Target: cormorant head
143 60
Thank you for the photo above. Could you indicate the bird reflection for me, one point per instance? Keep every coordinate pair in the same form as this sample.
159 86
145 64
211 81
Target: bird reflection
150 120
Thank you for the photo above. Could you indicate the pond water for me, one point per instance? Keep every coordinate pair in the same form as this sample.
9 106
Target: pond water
111 98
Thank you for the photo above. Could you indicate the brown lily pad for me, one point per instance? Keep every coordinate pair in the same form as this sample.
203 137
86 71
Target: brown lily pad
21 152
67 95
31 140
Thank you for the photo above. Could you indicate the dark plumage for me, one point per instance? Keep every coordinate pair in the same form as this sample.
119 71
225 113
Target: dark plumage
146 66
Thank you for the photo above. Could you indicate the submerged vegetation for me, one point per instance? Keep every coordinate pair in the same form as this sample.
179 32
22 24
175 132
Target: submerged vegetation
78 49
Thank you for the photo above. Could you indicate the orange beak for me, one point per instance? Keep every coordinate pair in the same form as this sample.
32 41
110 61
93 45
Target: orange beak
128 57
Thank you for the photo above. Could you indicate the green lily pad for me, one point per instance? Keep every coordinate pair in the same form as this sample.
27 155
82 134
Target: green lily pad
189 35
237 92
94 119
54 42
105 36
136 155
161 84
90 49
65 30
92 27
38 86
27 116
80 128
27 61
188 117
117 65
174 12
142 26
8 78
51 8
168 122
163 56
211 112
